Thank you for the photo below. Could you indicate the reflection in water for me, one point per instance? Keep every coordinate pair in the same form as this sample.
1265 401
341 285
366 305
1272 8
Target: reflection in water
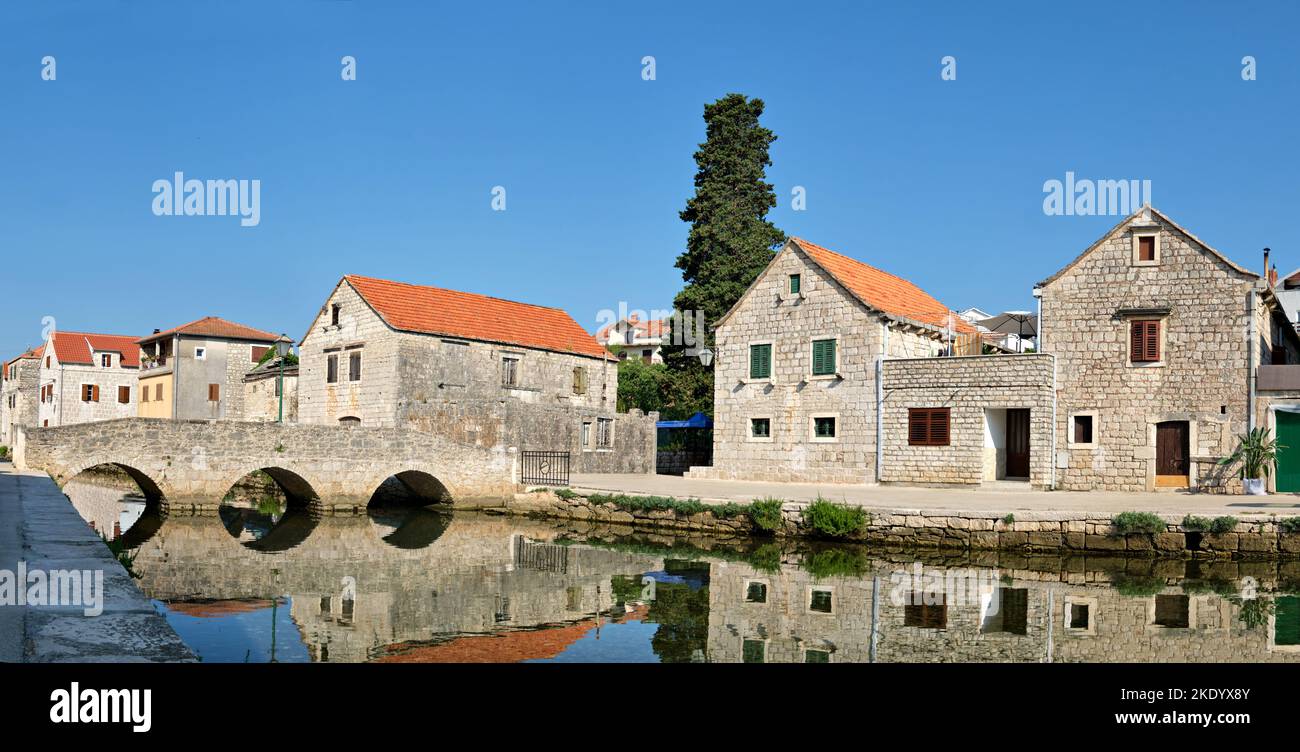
419 585
107 498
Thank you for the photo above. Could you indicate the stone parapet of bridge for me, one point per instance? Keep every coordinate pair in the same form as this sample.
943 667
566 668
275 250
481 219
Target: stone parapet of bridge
197 462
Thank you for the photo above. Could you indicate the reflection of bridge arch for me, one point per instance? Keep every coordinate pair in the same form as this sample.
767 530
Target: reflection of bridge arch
152 490
298 490
411 487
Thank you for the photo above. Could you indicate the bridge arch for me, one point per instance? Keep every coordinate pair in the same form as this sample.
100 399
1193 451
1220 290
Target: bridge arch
151 489
297 490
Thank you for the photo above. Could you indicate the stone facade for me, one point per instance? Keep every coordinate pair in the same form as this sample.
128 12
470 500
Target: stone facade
65 402
978 391
19 397
193 366
456 387
261 401
1206 306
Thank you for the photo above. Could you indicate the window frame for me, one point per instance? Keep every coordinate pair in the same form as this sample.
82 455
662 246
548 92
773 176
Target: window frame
771 361
808 599
605 438
579 380
354 356
1069 438
812 428
795 284
512 382
749 433
332 367
1137 248
201 353
1145 362
915 416
835 356
123 394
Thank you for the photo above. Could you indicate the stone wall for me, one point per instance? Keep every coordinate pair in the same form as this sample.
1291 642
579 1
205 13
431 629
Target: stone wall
976 390
67 406
261 404
23 392
1203 375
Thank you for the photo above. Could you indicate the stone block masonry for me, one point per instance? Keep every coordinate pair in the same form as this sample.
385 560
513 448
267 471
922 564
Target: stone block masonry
977 391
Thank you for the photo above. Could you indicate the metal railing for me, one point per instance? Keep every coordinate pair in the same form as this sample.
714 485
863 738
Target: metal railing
544 468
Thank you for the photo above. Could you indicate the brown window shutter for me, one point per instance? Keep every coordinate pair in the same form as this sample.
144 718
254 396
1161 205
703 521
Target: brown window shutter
1153 340
918 426
124 394
94 393
214 392
939 426
1147 248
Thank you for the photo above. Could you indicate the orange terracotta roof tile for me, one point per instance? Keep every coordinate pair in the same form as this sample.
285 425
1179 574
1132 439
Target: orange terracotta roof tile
502 647
883 291
212 326
433 310
656 328
79 347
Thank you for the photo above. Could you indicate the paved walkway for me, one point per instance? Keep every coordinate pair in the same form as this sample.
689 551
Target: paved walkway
1000 498
40 529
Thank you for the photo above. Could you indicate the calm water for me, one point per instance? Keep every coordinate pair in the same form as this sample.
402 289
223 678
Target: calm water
257 585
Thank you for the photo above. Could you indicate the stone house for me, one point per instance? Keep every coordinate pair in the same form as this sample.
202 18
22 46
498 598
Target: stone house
1157 338
86 377
473 368
196 371
19 394
634 337
830 370
262 387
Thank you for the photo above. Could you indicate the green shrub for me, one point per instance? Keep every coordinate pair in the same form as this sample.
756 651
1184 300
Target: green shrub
835 520
566 493
1010 519
1218 525
1290 525
766 514
1138 587
4 450
1255 611
1138 522
1217 585
835 562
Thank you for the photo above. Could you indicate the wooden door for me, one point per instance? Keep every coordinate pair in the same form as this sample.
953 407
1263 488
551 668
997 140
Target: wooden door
1172 455
1017 443
1288 453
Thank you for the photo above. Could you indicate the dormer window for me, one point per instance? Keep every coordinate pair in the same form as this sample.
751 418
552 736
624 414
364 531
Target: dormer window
106 360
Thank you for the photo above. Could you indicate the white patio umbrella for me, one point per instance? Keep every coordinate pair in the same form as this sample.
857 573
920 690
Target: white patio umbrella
1020 323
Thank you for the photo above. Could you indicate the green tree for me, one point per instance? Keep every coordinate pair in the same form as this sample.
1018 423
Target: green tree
730 240
642 385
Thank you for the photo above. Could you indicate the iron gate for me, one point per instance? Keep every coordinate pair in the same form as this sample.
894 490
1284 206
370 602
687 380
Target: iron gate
545 468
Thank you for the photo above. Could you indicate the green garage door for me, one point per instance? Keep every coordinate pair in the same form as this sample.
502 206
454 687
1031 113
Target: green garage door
1288 457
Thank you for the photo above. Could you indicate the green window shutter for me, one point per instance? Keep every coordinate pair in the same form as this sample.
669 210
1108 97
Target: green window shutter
760 361
794 284
823 357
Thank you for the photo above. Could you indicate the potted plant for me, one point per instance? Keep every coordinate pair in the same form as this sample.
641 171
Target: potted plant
1256 451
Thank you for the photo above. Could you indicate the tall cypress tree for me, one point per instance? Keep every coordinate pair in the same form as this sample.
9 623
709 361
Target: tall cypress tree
730 241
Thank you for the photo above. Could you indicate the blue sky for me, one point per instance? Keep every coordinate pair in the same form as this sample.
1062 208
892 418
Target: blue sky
391 175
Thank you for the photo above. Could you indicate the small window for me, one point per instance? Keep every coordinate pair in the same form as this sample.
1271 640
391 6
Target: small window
1083 429
1144 341
331 369
760 428
200 353
756 592
1172 611
928 426
214 392
823 357
124 395
354 365
47 361
604 433
1146 248
349 421
106 360
510 372
824 428
918 613
579 380
144 393
586 433
89 393
1078 615
760 361
157 392
334 314
794 284
821 601
816 656
753 651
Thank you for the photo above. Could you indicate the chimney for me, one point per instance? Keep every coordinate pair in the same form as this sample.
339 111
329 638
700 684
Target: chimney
1266 275
156 331
1272 276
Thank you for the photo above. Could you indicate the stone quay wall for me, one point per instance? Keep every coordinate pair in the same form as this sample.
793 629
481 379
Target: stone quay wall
1052 532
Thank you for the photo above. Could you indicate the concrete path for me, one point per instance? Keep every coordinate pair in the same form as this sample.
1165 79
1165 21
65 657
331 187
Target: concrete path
1001 498
40 528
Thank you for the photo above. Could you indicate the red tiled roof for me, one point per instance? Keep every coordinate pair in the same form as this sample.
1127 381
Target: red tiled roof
883 291
77 347
212 326
503 647
31 354
433 310
649 328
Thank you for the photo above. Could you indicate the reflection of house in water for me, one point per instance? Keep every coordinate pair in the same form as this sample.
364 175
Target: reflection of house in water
109 502
792 616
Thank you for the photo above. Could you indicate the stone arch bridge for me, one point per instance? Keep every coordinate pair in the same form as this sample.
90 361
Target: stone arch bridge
196 462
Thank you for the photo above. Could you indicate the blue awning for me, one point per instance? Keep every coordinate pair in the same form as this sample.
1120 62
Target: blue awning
698 420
